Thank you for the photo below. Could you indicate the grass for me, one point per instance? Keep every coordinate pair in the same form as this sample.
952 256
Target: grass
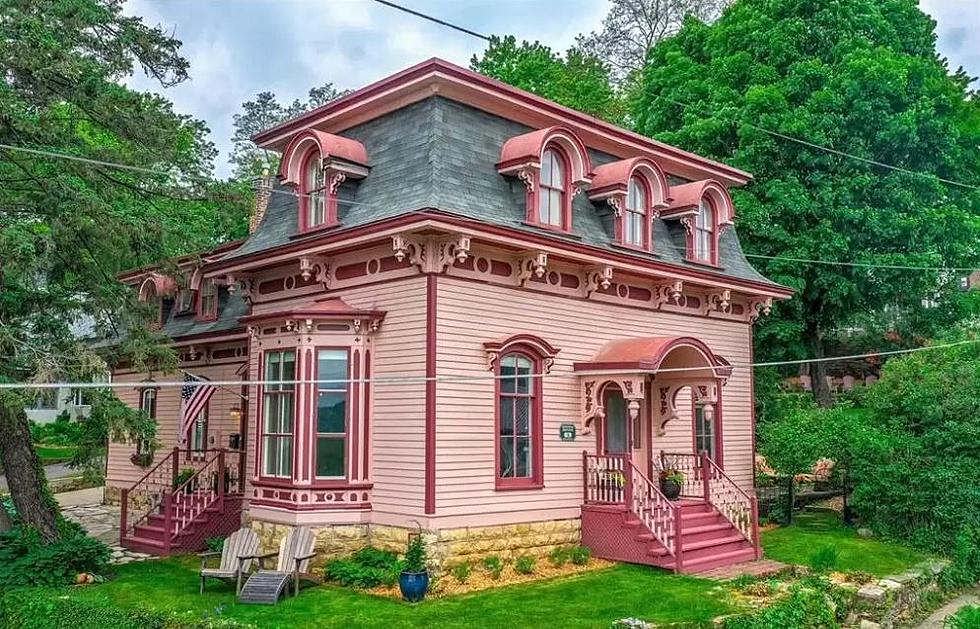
594 599
50 455
966 618
813 531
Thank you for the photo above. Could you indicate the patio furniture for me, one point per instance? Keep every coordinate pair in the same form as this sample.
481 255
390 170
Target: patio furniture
236 558
295 552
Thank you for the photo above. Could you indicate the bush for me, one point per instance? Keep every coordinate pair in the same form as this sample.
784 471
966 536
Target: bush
558 556
367 568
215 544
966 618
965 567
41 608
26 560
807 607
580 555
825 559
416 557
524 565
494 566
63 431
462 572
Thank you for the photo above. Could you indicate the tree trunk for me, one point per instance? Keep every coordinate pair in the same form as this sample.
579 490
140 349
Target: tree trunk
5 524
818 369
25 477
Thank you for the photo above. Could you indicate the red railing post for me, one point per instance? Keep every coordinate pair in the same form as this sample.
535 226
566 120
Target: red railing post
706 476
221 478
585 476
174 468
755 527
678 539
123 513
628 483
168 520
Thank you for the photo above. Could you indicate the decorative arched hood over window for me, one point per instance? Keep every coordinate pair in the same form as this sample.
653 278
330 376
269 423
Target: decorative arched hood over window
637 191
705 210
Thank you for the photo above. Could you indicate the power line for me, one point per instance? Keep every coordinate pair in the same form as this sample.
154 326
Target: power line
397 380
430 18
870 265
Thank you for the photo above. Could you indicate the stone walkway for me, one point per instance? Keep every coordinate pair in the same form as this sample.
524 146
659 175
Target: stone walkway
760 568
937 619
99 520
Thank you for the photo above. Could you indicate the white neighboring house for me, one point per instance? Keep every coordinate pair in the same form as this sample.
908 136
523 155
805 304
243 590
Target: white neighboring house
53 402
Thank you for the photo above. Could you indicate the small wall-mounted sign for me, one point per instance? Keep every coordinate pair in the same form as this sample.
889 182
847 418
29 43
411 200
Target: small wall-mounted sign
567 432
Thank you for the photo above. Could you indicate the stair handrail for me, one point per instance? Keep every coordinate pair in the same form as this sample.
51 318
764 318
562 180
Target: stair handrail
659 514
124 498
734 503
192 497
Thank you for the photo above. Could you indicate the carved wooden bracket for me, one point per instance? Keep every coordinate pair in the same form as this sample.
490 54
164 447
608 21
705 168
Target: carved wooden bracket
633 387
721 302
705 393
758 308
535 265
598 277
668 293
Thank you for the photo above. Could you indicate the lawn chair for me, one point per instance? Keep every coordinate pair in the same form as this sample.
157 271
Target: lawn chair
295 552
237 555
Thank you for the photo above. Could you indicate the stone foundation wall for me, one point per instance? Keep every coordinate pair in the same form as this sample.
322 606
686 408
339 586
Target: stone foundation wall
447 547
112 495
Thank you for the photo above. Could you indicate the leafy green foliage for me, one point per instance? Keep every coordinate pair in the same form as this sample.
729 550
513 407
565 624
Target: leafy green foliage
965 568
809 606
367 568
558 556
577 80
462 571
215 544
494 565
416 556
524 564
860 76
825 558
965 618
63 431
580 555
26 560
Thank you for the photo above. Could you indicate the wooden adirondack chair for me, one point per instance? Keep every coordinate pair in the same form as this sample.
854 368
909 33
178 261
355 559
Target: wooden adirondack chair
295 552
237 555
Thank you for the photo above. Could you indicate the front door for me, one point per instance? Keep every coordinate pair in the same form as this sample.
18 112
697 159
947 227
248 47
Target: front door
615 431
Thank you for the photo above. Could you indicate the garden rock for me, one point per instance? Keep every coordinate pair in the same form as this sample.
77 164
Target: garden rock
865 532
872 592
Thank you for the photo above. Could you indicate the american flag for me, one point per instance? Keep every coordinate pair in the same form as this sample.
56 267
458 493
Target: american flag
193 399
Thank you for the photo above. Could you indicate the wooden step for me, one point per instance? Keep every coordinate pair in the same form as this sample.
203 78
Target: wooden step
708 531
703 564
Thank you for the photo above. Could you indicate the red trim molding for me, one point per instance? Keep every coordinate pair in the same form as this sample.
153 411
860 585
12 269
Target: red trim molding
431 304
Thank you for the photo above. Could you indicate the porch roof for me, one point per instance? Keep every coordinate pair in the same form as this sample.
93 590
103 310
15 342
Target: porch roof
334 308
647 354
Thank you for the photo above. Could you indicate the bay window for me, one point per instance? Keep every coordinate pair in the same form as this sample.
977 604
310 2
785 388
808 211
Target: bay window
331 413
278 410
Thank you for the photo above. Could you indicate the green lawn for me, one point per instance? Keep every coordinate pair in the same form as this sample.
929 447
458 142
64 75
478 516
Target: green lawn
54 454
813 530
589 600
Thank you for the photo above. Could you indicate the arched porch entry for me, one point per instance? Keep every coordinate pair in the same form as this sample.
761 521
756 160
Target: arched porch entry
662 396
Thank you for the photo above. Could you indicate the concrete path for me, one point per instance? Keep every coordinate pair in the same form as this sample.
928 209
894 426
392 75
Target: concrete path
936 620
58 470
80 497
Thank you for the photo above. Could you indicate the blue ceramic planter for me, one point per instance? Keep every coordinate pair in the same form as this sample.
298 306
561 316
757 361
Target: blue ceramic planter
413 585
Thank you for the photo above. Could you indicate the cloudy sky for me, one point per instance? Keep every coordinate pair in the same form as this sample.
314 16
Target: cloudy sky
238 48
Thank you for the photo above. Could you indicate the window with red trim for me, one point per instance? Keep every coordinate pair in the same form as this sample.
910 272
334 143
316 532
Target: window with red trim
278 414
703 246
553 189
635 226
331 413
519 421
704 432
314 191
208 300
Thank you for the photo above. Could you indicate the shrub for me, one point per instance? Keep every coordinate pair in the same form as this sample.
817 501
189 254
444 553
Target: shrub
580 555
367 568
26 560
558 556
63 431
494 566
524 565
966 618
184 476
416 557
215 544
804 608
462 572
824 559
965 567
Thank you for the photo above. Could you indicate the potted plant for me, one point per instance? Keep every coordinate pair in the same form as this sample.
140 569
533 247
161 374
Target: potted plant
671 481
414 578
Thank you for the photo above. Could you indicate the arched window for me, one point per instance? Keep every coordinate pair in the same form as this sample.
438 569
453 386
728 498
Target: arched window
519 422
704 232
553 188
635 215
314 191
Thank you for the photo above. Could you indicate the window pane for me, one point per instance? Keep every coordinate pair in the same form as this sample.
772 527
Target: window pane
507 416
286 414
270 454
288 368
523 370
271 405
554 207
272 366
548 169
330 457
332 365
508 371
543 200
615 423
522 416
522 466
506 457
331 412
285 456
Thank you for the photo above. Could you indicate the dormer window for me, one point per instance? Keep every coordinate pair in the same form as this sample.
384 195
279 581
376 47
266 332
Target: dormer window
553 191
704 233
207 307
314 192
154 288
635 216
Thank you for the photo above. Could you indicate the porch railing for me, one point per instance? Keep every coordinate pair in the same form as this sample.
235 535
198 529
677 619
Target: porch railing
216 474
733 502
605 478
689 465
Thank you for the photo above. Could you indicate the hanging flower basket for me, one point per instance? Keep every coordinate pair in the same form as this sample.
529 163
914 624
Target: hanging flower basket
141 459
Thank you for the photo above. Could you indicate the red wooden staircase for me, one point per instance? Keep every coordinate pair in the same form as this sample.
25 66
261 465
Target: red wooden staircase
162 516
625 517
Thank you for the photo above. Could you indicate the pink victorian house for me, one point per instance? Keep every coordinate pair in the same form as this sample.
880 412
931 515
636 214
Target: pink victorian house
506 319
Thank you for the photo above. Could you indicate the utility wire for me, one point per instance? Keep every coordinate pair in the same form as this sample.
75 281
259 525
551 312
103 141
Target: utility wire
430 18
397 380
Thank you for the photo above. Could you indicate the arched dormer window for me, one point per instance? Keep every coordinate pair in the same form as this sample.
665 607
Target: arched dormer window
207 300
636 190
635 223
553 190
704 233
553 164
315 164
152 291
